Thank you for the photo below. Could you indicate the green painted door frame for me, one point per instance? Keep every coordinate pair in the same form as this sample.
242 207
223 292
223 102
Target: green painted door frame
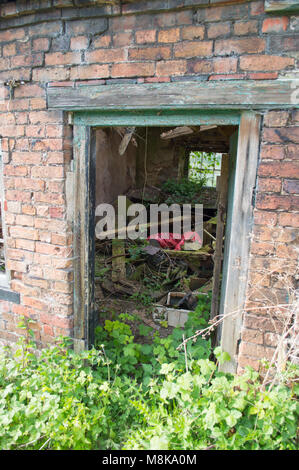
84 197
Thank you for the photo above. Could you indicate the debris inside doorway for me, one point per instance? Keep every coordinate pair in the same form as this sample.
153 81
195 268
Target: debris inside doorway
161 280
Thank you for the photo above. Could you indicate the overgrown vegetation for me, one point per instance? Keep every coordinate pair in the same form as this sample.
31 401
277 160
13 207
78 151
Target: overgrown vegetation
184 191
126 395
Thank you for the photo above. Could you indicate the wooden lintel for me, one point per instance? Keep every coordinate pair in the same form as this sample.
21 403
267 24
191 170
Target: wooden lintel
281 6
237 94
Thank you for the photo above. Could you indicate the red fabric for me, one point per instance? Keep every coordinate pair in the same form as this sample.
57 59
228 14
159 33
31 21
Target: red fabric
174 241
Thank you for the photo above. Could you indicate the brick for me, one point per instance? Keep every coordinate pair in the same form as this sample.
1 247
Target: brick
276 202
22 232
26 220
56 212
276 119
150 53
261 279
9 50
292 151
33 60
48 74
265 62
164 20
262 248
35 303
284 251
145 36
239 46
204 66
25 244
252 336
246 27
236 76
263 76
94 26
84 72
10 170
59 58
102 41
105 55
281 135
136 69
54 130
171 67
225 65
272 339
41 44
38 103
56 321
18 266
257 8
35 131
169 35
122 39
14 195
47 197
269 185
12 34
245 361
275 25
256 351
216 30
192 49
50 225
79 43
291 186
47 172
272 152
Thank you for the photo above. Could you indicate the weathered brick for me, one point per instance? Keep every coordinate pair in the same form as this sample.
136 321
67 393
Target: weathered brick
216 30
41 44
283 169
265 62
22 232
122 39
256 350
276 202
281 135
272 152
288 219
79 43
291 186
106 55
145 36
252 336
83 72
171 67
269 185
276 119
136 69
192 49
239 46
245 27
150 53
275 25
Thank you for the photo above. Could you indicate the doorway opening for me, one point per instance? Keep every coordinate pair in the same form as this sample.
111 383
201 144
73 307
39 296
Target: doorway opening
160 286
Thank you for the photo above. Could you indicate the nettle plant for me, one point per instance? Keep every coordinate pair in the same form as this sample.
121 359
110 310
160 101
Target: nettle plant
126 395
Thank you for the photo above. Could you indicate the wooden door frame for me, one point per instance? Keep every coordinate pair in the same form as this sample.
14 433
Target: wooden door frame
236 250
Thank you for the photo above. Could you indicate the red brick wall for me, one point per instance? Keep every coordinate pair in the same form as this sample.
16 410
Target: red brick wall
137 42
275 239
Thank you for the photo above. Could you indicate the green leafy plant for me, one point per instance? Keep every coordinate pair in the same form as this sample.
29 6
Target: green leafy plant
183 191
126 395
